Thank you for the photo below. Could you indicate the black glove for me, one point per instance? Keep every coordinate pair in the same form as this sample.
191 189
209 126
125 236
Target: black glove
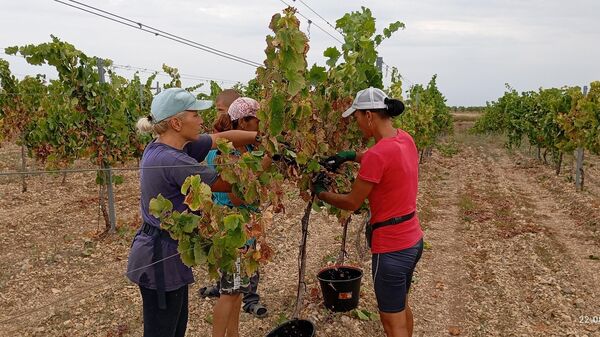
320 183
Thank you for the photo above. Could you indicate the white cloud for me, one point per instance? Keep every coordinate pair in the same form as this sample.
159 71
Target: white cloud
225 12
475 28
474 46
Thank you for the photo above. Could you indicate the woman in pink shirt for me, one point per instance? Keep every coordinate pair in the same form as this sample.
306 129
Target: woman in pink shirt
388 178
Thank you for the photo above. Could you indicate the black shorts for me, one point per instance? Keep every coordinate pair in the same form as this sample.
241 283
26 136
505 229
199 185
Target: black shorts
392 275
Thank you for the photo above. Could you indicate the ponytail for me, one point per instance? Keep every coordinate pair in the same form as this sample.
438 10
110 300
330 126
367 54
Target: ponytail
147 124
144 125
394 107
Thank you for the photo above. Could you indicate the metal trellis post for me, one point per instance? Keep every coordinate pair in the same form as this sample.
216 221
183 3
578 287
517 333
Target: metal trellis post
108 174
579 160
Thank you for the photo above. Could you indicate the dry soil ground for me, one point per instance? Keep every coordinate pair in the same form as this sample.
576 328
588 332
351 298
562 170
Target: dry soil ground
512 250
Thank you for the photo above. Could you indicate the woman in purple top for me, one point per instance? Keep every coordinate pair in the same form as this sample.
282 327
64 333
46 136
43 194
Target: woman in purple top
153 262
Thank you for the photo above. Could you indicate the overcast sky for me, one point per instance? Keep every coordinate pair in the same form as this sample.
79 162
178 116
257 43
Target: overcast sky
475 46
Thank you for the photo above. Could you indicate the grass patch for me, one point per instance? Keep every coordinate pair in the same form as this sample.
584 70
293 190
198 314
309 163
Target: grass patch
448 149
470 138
504 214
330 258
466 116
466 204
126 232
429 202
281 318
467 207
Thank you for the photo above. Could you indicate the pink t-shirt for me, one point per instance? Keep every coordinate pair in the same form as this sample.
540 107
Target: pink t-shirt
393 166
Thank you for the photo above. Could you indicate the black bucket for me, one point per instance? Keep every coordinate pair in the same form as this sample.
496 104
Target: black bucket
294 328
341 287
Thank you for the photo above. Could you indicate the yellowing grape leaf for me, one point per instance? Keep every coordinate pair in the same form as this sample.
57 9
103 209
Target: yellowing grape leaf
160 205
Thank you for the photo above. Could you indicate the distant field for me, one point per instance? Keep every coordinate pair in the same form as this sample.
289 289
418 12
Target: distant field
466 116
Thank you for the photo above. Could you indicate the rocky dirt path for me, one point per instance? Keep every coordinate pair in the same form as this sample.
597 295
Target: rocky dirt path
507 257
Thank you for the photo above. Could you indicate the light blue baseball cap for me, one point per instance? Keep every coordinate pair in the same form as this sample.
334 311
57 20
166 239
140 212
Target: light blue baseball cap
172 101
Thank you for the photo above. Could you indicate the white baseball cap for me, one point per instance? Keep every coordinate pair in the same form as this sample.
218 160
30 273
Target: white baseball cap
370 98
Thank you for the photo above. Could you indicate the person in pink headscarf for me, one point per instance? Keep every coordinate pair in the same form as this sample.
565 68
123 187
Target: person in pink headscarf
241 115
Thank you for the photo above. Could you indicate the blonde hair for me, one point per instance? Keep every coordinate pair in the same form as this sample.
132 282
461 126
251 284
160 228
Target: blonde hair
146 125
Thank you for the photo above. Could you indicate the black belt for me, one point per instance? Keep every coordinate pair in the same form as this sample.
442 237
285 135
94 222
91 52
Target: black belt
393 221
150 230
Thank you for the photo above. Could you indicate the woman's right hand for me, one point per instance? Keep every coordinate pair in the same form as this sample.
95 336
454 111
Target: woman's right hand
334 162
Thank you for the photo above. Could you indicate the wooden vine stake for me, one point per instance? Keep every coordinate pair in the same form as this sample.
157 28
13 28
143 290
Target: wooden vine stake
302 259
341 257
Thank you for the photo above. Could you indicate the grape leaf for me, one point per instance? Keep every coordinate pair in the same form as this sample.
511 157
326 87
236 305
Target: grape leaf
277 106
159 206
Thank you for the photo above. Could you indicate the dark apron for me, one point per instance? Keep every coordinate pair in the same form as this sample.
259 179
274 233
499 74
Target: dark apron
159 271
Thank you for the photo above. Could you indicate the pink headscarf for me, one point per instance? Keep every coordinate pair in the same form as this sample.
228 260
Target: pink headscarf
243 107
